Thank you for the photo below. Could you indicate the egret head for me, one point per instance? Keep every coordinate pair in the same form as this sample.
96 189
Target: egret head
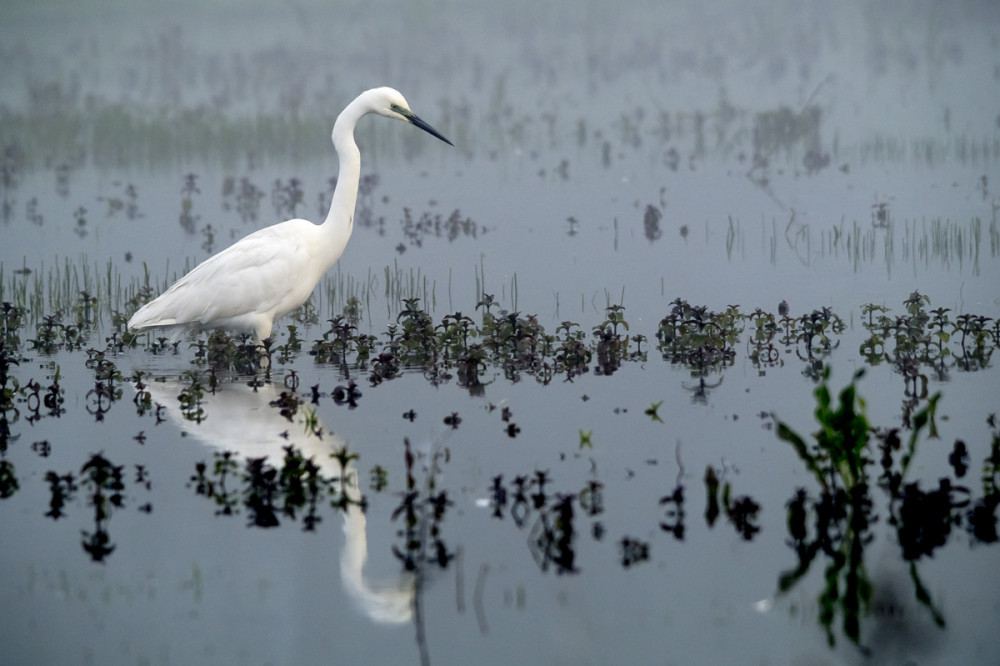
390 102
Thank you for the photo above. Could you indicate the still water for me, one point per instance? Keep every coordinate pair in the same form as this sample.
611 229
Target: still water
548 486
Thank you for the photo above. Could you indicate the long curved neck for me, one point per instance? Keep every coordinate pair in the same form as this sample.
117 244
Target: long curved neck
345 195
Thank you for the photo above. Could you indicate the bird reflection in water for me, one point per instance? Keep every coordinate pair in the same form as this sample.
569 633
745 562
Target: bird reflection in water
247 431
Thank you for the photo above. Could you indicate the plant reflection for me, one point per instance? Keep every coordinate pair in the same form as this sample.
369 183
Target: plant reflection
742 512
250 435
422 508
843 513
552 534
9 413
423 511
103 482
275 464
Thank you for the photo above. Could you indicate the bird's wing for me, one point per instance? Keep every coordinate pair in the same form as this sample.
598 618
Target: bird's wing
261 273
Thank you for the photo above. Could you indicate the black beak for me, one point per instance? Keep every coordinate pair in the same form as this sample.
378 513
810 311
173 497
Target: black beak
418 122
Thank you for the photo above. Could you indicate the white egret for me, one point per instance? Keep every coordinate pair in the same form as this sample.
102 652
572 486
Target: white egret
269 273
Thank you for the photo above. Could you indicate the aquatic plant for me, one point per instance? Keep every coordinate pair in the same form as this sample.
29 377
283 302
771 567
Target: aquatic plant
925 338
698 338
837 459
9 384
191 397
612 346
10 321
517 345
572 355
840 461
222 351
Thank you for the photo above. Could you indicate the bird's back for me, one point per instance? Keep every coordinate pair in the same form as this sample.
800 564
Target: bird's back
245 287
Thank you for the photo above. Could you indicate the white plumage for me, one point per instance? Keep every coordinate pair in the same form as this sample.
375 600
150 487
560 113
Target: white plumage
269 273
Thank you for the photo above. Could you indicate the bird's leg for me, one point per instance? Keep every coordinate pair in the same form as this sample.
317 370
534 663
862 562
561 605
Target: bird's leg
264 355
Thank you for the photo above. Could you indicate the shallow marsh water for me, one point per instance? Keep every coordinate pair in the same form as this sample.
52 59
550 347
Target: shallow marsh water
723 156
